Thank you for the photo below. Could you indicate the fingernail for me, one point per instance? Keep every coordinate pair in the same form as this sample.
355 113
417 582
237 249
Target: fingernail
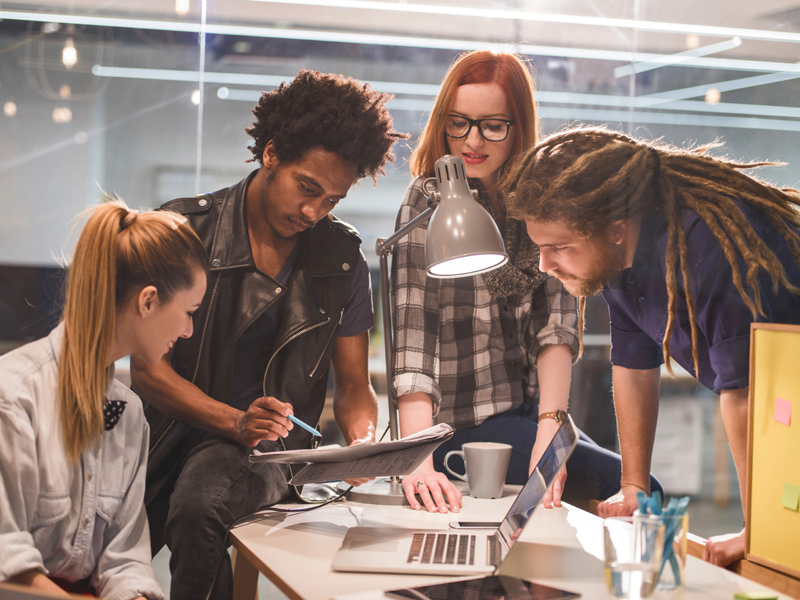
443 509
456 509
416 506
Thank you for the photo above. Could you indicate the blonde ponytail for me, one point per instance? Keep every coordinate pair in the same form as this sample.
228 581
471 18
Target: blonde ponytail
89 320
118 253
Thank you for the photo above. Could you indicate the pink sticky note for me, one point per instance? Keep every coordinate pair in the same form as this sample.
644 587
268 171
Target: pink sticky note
783 411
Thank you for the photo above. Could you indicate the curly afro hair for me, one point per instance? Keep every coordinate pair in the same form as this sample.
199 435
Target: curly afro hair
332 112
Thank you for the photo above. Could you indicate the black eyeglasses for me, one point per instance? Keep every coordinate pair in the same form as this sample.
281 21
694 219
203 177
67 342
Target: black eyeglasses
492 130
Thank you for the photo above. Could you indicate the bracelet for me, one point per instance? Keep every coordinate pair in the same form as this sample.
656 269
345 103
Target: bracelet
558 415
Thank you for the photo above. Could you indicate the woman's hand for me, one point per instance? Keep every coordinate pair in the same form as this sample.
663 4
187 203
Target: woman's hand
434 489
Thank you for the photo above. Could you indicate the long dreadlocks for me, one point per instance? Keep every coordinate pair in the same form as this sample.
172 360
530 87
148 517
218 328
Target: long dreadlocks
590 178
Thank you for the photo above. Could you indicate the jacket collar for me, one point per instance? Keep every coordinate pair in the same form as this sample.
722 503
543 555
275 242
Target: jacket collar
231 246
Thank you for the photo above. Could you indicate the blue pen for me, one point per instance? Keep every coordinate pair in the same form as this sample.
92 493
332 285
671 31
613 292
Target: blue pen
308 428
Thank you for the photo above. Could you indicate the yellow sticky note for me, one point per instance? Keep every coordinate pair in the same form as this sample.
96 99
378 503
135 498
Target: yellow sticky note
791 496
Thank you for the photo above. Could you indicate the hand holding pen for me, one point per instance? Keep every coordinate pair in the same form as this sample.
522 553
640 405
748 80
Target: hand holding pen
267 418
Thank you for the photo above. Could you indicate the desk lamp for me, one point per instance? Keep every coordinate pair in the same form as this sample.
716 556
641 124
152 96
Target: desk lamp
462 240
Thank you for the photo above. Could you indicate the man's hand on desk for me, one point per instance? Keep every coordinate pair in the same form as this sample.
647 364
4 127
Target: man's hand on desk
432 487
621 504
265 419
722 550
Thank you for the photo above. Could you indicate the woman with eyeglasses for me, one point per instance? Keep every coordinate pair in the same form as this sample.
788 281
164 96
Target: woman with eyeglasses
491 354
73 440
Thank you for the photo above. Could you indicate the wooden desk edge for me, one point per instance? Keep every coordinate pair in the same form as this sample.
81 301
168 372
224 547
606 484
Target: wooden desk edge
245 574
781 582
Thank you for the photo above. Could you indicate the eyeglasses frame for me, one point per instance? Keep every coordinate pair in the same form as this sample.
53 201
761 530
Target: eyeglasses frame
477 122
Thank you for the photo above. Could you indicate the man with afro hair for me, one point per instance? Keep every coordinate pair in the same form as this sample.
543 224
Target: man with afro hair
288 297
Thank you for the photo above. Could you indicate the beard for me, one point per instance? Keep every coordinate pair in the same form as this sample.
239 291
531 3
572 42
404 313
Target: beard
608 263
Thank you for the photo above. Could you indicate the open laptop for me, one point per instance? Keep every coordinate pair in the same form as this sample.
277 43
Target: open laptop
455 552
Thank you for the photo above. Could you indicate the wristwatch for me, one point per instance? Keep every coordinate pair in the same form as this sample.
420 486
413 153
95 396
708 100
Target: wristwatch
558 415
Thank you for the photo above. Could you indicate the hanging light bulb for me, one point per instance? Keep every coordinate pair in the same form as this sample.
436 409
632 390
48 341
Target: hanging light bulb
182 7
62 114
196 97
10 108
713 96
69 55
64 92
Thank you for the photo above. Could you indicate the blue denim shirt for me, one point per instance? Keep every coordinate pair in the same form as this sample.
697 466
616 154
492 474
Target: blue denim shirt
72 521
637 303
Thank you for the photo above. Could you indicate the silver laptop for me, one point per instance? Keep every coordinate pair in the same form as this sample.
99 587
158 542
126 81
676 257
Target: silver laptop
455 552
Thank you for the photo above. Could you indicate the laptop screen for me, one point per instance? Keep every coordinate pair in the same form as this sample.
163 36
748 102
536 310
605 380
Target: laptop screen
554 457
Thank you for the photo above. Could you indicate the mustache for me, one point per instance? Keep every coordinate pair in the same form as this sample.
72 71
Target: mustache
302 221
563 276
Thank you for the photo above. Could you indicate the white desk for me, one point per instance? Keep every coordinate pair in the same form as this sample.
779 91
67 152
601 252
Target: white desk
560 547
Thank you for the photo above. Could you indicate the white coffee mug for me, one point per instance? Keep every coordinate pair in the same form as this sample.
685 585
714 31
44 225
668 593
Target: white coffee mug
486 464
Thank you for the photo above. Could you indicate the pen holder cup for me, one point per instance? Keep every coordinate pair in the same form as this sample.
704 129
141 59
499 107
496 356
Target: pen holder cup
673 562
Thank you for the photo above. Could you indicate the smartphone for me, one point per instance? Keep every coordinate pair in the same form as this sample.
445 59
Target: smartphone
474 524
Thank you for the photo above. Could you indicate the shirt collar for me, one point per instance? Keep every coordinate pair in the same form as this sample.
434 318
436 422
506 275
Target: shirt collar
645 253
56 339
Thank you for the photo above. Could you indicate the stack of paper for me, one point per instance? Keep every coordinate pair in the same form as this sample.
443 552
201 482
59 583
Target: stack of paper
370 459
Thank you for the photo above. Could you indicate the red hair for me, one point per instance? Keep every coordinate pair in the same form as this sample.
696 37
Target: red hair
507 69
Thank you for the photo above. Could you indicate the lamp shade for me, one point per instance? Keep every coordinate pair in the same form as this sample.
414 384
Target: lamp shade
462 238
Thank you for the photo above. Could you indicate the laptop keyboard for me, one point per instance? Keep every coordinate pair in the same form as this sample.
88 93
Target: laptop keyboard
442 548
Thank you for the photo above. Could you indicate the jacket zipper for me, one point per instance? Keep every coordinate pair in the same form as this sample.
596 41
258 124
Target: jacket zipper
197 365
283 345
274 354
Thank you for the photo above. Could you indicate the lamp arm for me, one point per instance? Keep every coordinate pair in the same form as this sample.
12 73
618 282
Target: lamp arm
383 248
385 245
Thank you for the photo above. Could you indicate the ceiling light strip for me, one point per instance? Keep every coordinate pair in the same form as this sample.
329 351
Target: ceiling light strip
574 116
645 102
389 40
397 87
540 17
391 87
680 57
723 86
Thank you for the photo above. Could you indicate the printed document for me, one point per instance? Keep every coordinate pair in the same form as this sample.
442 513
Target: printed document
370 459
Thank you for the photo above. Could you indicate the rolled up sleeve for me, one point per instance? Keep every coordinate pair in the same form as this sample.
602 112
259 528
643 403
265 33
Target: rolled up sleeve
561 327
415 307
631 347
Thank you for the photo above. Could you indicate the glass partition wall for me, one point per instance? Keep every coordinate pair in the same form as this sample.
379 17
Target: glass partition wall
149 100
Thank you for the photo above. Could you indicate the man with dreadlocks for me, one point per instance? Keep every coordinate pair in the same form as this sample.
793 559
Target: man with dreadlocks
687 251
288 297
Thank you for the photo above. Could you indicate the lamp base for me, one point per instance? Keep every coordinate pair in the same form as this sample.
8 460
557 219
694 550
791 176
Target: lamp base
382 491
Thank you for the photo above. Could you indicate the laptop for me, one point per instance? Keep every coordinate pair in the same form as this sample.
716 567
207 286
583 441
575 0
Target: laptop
455 552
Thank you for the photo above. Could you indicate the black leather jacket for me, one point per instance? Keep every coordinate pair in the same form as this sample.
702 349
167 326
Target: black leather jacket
310 316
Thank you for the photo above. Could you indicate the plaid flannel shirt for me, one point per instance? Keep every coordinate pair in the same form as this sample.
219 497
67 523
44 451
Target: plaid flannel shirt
474 355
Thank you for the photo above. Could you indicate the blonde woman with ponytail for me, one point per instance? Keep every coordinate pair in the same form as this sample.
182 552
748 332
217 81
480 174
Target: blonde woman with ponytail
73 440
